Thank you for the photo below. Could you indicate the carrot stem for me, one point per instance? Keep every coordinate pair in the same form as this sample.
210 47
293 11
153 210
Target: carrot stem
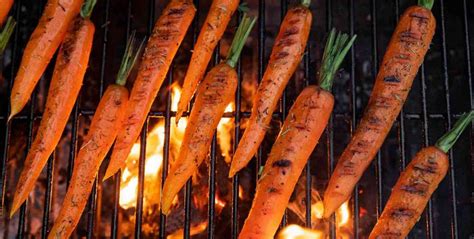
334 52
306 3
87 8
239 40
446 142
129 59
6 33
426 3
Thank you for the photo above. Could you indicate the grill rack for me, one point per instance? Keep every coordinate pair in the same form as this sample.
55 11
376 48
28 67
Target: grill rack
447 115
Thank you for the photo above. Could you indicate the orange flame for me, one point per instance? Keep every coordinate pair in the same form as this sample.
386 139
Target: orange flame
154 156
298 232
153 161
224 134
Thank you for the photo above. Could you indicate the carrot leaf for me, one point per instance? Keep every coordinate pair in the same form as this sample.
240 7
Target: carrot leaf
129 59
306 3
239 40
335 50
243 7
446 142
6 33
426 3
87 8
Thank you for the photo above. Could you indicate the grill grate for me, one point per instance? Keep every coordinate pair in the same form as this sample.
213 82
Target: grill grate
442 90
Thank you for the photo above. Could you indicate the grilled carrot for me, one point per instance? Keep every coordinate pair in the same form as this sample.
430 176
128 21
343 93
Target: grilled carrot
212 30
102 133
299 135
67 79
44 42
161 48
416 185
4 10
285 57
6 34
404 55
213 95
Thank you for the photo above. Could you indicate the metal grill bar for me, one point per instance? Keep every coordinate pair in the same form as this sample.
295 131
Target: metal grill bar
425 117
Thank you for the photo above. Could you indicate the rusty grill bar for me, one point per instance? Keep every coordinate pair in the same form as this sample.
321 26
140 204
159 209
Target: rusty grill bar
421 110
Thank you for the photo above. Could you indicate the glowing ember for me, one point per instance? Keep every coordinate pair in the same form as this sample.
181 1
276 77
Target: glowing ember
194 230
298 232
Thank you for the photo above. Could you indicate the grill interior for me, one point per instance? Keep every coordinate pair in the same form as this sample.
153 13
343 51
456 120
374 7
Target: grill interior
442 91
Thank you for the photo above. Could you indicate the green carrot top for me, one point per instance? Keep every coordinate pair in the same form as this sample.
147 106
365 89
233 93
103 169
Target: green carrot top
6 33
128 60
305 3
334 52
446 142
87 8
239 40
426 3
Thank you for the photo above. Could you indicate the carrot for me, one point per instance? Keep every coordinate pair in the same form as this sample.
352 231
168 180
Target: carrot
102 133
6 34
212 30
213 95
405 52
69 72
162 46
298 137
4 10
43 43
284 60
416 184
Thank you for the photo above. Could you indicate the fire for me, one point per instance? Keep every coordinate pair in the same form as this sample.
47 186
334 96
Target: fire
343 214
224 134
153 161
319 226
298 232
155 154
317 210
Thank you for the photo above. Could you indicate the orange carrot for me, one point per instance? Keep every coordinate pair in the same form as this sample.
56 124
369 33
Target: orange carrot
405 52
213 95
298 137
162 46
286 55
4 10
67 79
416 184
6 34
212 30
102 133
44 42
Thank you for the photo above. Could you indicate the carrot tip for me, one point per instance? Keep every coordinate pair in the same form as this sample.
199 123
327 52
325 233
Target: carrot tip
108 174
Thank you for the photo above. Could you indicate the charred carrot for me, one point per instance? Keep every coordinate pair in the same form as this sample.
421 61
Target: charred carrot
67 79
213 95
405 52
4 10
102 133
44 42
6 34
284 60
416 185
298 137
161 48
212 30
